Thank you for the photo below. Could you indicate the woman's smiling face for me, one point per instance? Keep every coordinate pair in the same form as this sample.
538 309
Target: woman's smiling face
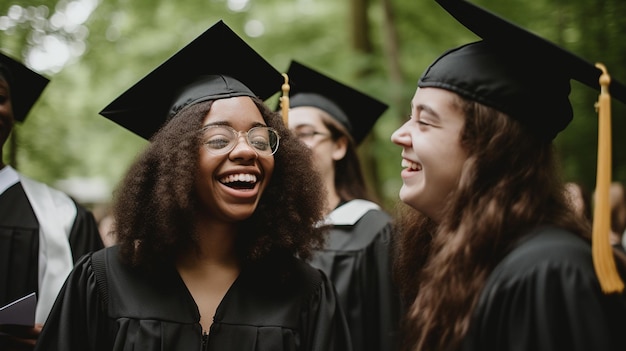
230 185
432 157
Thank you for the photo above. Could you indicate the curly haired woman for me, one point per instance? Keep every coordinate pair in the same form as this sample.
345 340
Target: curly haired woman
209 221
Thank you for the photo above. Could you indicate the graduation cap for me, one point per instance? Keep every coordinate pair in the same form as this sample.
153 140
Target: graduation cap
527 77
218 64
356 111
26 85
513 71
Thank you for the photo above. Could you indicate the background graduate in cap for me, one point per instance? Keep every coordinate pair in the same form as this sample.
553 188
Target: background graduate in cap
332 119
42 230
209 221
491 255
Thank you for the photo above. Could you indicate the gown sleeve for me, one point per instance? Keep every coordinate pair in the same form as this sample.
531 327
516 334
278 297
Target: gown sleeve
325 321
547 304
84 236
77 319
387 309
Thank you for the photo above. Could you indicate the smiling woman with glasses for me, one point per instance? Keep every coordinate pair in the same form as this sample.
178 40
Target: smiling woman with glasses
213 221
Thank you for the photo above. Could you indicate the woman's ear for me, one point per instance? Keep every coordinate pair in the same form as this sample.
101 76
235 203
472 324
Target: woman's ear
340 148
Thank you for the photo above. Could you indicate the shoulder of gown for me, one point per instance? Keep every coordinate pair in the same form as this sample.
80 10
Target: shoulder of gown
134 309
77 320
544 295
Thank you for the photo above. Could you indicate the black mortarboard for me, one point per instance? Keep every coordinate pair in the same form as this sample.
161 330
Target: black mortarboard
513 70
26 85
356 111
216 65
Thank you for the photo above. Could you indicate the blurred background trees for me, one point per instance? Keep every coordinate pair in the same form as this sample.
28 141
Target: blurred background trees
94 49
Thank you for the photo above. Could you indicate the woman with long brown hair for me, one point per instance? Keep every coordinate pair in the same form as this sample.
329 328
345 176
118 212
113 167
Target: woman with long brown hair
491 255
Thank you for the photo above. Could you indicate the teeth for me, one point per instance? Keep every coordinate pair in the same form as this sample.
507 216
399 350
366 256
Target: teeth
241 177
412 165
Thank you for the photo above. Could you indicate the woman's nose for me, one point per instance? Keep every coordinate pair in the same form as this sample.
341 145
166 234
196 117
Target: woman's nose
243 149
401 136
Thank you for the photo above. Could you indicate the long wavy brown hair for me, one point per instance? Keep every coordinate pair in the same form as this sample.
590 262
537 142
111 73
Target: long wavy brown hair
156 203
509 184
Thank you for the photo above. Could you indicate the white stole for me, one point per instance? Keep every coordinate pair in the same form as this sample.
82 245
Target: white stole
350 212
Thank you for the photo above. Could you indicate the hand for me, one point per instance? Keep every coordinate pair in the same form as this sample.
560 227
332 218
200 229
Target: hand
19 337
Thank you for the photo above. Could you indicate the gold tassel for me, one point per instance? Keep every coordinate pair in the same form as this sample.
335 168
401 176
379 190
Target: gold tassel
603 260
284 100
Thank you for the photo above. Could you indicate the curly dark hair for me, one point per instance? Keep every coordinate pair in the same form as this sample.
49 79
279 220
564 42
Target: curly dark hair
155 205
509 184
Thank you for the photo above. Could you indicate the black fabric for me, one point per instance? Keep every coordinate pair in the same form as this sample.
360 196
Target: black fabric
19 246
544 296
356 111
482 72
84 236
217 53
513 71
219 86
357 260
144 312
26 85
19 243
538 52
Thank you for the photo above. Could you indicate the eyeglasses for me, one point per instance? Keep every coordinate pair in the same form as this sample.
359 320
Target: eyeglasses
307 136
220 140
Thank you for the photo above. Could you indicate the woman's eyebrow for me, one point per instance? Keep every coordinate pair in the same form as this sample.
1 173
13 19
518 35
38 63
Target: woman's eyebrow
428 109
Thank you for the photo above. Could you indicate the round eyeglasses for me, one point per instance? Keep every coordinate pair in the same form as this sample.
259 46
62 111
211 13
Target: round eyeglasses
220 140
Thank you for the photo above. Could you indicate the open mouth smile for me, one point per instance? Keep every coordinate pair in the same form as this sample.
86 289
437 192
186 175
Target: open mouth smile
239 181
413 166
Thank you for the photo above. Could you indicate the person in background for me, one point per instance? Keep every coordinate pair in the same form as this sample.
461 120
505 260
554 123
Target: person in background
43 231
491 254
212 221
332 119
617 199
580 198
105 222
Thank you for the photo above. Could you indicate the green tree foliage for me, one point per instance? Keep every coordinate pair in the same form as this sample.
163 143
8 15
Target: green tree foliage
379 46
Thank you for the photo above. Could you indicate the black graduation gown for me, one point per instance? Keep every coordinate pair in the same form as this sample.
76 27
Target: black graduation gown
143 312
357 260
19 243
543 296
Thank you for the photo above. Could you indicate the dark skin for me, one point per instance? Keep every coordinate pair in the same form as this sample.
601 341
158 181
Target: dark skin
12 337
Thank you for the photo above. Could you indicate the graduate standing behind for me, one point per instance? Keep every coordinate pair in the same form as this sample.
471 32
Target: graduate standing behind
332 119
492 256
208 220
43 231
